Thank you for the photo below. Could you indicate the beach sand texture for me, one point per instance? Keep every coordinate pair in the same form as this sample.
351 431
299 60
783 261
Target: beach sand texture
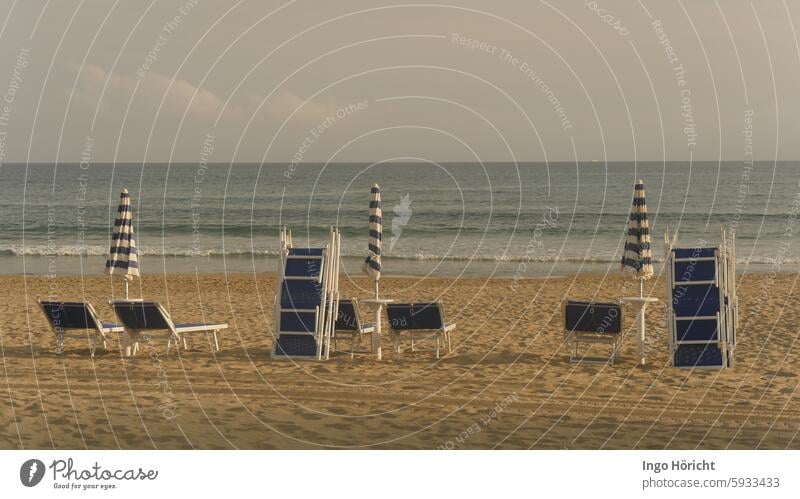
507 384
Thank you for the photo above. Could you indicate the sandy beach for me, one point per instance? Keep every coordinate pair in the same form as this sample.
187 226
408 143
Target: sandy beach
507 384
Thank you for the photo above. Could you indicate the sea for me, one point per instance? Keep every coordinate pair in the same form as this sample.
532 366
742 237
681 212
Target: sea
513 220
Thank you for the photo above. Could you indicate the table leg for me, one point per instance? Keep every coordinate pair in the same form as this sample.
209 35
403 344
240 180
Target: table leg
640 332
376 334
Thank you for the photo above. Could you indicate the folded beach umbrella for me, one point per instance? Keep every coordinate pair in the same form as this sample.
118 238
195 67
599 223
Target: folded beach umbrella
372 264
123 259
638 256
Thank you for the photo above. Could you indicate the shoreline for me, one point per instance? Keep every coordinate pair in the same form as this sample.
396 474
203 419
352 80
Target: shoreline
94 266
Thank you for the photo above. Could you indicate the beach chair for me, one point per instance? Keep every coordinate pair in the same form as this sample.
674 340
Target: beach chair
592 323
306 299
138 316
701 308
65 317
416 322
348 325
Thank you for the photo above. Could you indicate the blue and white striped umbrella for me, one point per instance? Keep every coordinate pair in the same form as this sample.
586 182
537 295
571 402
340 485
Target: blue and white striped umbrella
123 258
638 256
372 264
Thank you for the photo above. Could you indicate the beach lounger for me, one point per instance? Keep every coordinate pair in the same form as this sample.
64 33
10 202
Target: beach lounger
701 307
65 317
416 322
138 316
592 323
306 298
348 325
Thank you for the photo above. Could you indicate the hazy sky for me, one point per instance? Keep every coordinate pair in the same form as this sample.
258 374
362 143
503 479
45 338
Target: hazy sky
200 80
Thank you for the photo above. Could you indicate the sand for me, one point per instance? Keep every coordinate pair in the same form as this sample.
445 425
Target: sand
507 383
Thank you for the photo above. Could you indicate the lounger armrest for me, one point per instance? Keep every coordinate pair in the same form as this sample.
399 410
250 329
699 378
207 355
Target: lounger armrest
198 328
112 328
449 326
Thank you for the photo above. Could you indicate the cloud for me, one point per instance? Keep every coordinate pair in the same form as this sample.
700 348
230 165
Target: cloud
284 103
180 96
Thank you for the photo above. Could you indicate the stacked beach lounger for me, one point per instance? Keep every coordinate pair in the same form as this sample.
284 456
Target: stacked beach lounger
306 299
701 304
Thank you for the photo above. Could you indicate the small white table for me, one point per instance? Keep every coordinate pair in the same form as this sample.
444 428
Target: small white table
376 305
640 305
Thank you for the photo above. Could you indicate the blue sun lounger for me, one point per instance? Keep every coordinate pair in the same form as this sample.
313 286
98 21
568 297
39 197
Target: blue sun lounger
348 325
592 323
139 316
701 310
306 299
79 317
416 322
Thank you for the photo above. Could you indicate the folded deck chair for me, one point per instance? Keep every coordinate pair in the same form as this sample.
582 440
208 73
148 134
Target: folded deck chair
417 322
138 316
348 325
66 316
592 323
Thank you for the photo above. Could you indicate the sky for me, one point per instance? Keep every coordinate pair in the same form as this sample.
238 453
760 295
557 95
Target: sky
379 80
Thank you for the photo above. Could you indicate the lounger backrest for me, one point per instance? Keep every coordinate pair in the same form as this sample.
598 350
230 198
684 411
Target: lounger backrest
694 252
705 270
69 315
141 315
590 317
301 294
306 251
347 318
404 316
298 322
695 301
303 267
427 316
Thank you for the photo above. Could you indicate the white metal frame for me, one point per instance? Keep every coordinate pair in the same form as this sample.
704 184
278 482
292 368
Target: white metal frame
356 335
725 280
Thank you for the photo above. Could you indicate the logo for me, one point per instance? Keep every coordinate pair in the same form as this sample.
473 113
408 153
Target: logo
402 215
31 472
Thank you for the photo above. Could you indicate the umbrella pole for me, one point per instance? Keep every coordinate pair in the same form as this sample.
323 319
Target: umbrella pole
126 289
376 289
641 288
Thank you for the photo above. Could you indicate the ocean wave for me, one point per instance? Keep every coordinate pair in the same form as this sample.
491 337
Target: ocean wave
74 251
103 251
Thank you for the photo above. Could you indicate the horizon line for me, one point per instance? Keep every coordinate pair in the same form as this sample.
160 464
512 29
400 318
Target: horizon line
448 162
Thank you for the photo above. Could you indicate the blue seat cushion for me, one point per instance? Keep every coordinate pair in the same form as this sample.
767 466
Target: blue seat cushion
695 300
67 315
695 271
296 345
306 251
345 318
140 315
409 316
301 294
697 330
708 355
593 317
694 252
303 267
298 321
